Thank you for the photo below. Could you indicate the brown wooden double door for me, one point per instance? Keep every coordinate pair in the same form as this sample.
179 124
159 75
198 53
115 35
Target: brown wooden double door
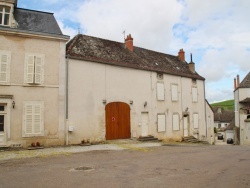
117 121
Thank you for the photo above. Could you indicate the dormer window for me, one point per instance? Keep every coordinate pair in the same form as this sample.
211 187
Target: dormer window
4 15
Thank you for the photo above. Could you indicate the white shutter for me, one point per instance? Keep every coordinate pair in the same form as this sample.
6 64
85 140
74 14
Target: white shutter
37 118
38 69
194 94
174 89
196 121
161 119
30 69
28 119
176 122
160 91
3 67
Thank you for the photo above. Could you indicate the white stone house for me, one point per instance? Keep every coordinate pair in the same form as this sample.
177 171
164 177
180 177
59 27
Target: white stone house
32 77
242 110
117 90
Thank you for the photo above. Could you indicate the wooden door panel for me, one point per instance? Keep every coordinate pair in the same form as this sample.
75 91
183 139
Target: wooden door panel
117 121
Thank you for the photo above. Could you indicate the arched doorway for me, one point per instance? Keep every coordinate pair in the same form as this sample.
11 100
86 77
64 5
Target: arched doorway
117 121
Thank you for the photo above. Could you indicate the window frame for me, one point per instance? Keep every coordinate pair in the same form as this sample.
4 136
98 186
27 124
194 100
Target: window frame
33 115
31 69
4 14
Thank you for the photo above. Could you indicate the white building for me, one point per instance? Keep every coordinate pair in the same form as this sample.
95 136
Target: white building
32 77
242 109
117 90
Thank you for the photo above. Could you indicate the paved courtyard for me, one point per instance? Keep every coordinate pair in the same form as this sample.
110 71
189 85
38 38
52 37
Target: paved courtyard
130 165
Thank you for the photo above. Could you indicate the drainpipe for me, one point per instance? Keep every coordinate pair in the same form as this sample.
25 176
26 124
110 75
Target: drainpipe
67 100
205 106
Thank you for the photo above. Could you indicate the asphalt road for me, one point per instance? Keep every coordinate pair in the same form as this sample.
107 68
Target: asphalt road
164 166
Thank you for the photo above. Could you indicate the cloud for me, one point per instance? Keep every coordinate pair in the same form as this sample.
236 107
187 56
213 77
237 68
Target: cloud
149 23
217 32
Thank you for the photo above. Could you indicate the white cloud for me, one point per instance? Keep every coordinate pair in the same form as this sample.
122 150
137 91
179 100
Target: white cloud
217 32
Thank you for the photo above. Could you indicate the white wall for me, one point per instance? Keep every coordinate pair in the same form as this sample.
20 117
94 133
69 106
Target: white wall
90 83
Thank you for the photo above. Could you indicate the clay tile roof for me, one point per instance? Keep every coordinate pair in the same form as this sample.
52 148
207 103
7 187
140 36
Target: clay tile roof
224 116
245 82
231 125
94 49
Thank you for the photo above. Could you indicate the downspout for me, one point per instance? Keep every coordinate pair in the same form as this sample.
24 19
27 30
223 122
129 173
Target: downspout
205 106
67 100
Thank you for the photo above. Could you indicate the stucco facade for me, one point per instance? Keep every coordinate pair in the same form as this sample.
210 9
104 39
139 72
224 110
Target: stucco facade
94 85
32 86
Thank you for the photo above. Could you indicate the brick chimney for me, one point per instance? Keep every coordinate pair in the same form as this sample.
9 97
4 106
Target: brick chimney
191 65
235 85
181 55
129 43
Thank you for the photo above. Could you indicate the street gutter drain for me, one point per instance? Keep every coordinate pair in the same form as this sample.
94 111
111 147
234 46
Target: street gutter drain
82 168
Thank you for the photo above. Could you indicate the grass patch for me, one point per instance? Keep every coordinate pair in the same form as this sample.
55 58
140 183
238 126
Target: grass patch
225 105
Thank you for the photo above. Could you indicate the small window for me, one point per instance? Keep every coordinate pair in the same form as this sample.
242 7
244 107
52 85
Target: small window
161 120
219 125
34 69
160 92
194 81
159 76
1 108
1 123
4 15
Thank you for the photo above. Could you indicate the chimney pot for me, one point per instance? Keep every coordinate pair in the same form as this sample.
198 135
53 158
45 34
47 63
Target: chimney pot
129 43
191 65
181 55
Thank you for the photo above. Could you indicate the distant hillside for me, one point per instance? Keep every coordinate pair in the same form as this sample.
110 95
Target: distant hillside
226 105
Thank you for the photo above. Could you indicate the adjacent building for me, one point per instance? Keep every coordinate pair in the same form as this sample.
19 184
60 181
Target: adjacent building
117 90
242 109
32 77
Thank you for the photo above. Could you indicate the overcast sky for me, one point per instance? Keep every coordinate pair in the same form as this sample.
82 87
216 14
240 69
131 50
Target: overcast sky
216 32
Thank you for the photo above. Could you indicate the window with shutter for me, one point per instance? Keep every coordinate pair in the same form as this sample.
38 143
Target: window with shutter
34 69
161 120
4 66
174 92
160 92
196 121
33 119
176 122
194 94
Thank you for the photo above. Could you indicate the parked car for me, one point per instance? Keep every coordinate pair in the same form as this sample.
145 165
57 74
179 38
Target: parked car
230 141
220 136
